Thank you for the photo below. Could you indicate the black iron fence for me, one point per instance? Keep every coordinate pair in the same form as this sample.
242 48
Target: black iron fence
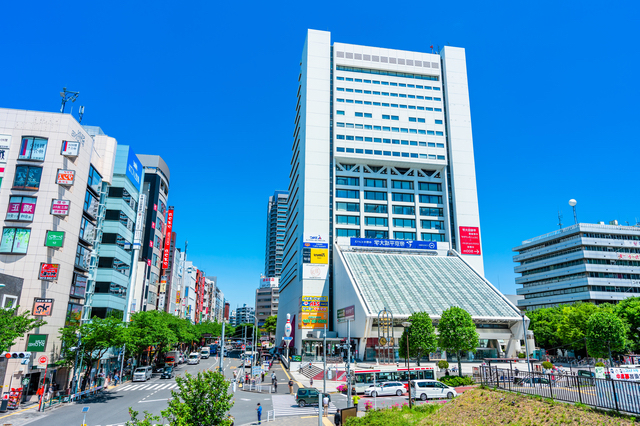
620 395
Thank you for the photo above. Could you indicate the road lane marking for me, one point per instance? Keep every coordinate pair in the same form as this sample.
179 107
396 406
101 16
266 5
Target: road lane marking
154 400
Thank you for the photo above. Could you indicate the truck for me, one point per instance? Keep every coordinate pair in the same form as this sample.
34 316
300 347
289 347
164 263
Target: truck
171 358
205 352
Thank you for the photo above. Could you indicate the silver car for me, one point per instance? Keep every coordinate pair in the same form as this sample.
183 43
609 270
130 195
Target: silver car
385 388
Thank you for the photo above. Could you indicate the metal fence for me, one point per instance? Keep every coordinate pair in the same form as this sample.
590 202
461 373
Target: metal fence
619 395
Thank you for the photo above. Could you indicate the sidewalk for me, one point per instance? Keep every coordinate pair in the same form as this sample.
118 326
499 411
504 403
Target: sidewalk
296 421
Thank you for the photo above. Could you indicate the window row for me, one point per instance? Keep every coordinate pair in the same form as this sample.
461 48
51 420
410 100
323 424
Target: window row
382 196
390 94
382 183
388 83
385 129
390 73
390 105
391 141
390 153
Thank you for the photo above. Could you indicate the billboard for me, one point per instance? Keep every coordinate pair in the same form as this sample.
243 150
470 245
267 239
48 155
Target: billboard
65 177
42 307
36 342
402 244
49 271
470 240
314 311
319 256
134 169
60 207
70 148
266 282
167 240
137 236
54 239
312 271
347 314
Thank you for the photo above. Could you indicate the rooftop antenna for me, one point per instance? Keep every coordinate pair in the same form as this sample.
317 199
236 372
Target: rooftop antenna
67 95
572 203
559 219
80 114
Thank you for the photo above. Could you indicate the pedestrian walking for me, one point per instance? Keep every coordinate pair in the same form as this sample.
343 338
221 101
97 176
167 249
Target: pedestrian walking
275 385
262 378
273 377
291 386
516 372
259 411
115 379
311 381
325 404
337 419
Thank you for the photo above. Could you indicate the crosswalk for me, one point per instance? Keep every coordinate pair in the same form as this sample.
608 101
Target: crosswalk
146 386
285 405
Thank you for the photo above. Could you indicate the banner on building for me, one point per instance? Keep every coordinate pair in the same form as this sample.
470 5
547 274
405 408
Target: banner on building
37 342
314 311
311 271
5 144
49 271
470 240
134 169
60 207
402 244
54 239
167 240
347 314
65 177
70 148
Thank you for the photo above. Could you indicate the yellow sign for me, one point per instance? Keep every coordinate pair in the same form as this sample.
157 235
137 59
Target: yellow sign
382 341
320 256
314 311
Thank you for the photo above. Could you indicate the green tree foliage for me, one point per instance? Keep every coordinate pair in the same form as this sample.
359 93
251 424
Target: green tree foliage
457 333
422 337
201 400
573 325
605 331
544 324
148 420
629 311
96 338
150 328
14 326
270 324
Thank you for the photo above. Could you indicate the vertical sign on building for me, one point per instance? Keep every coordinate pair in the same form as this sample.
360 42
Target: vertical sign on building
470 240
167 240
5 143
137 235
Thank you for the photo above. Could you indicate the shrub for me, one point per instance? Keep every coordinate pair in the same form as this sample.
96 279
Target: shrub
342 388
368 405
522 355
443 364
599 364
457 381
547 365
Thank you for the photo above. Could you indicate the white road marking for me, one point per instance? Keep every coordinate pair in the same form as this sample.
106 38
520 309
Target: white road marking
154 400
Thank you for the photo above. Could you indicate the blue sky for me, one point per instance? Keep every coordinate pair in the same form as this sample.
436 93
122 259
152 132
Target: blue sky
211 87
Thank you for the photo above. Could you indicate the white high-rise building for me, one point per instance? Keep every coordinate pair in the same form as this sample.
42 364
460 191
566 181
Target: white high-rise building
382 153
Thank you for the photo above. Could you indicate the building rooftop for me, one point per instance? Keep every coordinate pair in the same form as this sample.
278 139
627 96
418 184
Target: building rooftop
408 283
594 227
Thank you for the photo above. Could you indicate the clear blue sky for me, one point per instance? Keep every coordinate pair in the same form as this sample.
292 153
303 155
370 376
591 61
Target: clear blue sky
210 86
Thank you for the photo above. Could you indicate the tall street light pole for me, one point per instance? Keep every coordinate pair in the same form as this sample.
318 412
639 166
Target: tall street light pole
406 325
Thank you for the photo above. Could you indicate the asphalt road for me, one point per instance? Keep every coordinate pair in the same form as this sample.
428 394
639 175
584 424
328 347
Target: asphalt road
111 408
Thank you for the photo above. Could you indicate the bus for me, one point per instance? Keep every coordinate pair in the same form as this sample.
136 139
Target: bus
362 379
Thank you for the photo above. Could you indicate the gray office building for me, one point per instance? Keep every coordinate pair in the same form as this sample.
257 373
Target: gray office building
276 227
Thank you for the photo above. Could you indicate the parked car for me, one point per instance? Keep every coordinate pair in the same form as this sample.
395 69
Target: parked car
532 381
385 388
167 373
426 389
142 374
194 358
308 396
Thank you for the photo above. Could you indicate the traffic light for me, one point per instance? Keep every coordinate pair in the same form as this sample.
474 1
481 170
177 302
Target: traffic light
16 355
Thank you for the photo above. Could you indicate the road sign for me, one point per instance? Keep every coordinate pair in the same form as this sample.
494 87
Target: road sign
288 339
43 360
382 341
243 347
85 409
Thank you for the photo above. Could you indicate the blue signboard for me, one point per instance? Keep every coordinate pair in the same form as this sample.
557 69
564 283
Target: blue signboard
134 169
315 245
403 244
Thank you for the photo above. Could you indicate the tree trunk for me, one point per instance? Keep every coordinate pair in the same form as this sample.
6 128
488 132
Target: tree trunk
459 365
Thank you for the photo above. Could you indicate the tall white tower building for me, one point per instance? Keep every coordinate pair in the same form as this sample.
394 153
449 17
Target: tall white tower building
382 152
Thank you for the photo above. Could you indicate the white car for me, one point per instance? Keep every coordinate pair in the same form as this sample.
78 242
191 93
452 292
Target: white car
385 388
194 358
427 389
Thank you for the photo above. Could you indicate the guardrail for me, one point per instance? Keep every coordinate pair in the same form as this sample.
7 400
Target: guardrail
619 395
284 361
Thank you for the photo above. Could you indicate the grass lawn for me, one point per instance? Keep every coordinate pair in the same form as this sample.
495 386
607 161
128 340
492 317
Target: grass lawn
487 407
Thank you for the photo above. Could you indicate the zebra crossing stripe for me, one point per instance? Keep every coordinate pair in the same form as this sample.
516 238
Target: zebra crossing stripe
285 405
154 386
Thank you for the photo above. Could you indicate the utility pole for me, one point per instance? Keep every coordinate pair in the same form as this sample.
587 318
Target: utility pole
221 348
324 352
349 363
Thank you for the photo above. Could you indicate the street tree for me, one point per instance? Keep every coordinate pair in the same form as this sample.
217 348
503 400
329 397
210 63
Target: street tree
605 333
544 324
270 324
96 338
14 326
149 329
422 337
200 400
457 333
573 325
629 311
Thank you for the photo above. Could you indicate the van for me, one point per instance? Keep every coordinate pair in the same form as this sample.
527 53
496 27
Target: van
309 396
205 352
427 389
142 374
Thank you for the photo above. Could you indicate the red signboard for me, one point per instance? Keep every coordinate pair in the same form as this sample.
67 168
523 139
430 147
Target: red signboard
49 271
167 240
470 240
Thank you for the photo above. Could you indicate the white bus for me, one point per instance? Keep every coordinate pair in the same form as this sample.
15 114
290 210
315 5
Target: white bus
362 379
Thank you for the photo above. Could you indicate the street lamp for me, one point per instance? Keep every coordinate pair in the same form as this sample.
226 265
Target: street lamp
406 325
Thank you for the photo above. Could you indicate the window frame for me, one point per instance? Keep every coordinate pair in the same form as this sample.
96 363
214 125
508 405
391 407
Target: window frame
28 173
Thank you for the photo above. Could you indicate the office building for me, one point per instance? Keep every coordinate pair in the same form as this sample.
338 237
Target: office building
190 278
219 305
584 262
276 227
243 315
382 157
177 292
54 180
156 190
113 274
267 299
